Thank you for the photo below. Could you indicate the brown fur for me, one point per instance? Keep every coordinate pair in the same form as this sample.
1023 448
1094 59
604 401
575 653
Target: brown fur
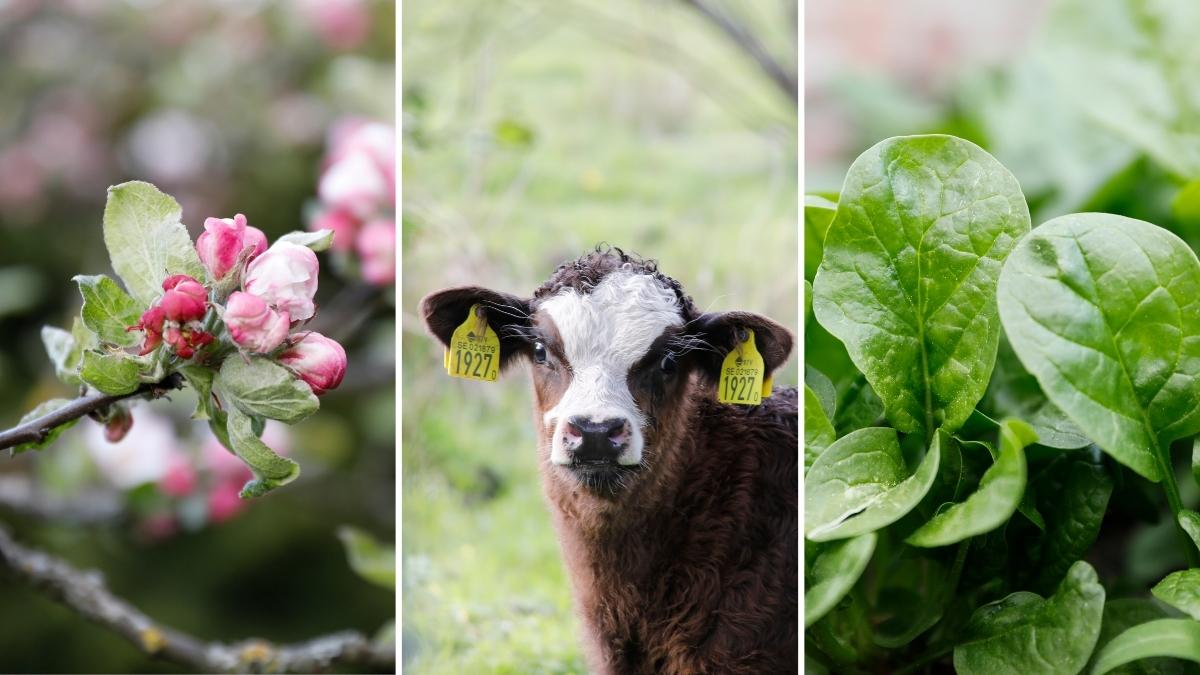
693 570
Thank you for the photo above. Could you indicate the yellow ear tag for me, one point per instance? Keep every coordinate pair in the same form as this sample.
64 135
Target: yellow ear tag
767 384
742 374
474 351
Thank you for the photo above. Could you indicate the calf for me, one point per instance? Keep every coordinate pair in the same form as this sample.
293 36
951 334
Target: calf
676 514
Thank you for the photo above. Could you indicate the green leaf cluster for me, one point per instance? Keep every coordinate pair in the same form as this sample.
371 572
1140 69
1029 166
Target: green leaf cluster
983 392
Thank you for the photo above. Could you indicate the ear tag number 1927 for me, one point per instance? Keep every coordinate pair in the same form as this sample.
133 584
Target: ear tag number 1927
742 374
474 351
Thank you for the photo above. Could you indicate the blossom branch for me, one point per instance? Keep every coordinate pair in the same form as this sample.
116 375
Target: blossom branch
85 593
38 429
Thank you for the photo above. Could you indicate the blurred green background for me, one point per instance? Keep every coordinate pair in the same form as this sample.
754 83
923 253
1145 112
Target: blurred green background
532 131
225 105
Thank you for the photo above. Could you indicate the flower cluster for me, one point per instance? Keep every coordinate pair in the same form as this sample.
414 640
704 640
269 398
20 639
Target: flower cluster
176 318
357 193
196 485
259 294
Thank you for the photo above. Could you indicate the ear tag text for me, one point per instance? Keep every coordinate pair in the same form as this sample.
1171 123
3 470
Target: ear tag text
742 373
474 351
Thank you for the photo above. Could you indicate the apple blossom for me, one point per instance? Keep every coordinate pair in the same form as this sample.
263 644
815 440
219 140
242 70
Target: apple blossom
142 456
175 317
252 323
180 477
185 299
376 246
357 184
225 240
286 277
318 360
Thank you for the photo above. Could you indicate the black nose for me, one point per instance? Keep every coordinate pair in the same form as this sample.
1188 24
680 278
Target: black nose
592 441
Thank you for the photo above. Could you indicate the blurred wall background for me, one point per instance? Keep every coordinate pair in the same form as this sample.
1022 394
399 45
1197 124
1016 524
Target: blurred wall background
534 130
226 105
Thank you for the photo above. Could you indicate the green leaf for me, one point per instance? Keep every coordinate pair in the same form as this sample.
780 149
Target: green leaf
318 241
860 484
270 470
145 240
818 432
262 387
1000 491
835 568
372 560
201 378
61 348
1123 614
1075 511
909 273
1189 521
859 406
111 373
823 387
1014 392
1102 309
1025 634
1181 590
108 310
818 213
1177 638
45 408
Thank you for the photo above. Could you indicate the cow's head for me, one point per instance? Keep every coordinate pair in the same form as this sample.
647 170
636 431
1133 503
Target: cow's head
615 347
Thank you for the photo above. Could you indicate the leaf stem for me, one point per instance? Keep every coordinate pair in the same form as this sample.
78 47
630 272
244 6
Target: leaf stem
1163 455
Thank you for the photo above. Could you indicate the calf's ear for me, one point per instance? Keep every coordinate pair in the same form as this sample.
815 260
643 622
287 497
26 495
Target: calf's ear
720 330
508 315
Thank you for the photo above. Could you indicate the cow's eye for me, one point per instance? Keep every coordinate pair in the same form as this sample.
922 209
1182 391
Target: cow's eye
668 364
539 352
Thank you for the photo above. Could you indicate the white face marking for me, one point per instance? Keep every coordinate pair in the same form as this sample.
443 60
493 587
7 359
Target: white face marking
604 333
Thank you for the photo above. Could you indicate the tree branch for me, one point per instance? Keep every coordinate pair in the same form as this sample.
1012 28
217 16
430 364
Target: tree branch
784 78
84 592
37 429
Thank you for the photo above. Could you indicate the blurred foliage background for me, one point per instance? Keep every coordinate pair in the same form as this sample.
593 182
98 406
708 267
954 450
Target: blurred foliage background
224 104
532 131
1094 106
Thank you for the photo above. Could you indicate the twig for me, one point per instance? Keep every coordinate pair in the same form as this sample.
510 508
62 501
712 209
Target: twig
784 78
37 429
84 592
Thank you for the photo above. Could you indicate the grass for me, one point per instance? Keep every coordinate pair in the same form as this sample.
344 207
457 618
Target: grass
534 131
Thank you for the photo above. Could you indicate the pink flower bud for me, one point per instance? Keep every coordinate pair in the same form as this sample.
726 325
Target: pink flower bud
223 501
185 299
376 246
118 425
152 323
357 184
180 478
223 242
317 360
252 323
286 277
343 224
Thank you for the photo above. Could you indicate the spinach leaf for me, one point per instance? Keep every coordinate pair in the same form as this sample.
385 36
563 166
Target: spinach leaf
908 275
860 484
1105 312
1025 634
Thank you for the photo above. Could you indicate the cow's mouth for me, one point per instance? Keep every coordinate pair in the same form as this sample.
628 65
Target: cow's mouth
603 477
